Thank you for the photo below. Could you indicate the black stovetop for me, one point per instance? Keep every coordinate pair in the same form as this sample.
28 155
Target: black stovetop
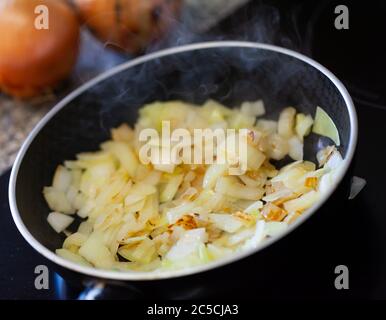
355 233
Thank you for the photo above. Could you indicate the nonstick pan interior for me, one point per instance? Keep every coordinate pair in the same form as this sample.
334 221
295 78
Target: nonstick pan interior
229 74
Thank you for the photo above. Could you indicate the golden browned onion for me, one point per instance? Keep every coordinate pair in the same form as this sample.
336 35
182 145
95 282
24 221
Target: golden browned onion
129 25
33 60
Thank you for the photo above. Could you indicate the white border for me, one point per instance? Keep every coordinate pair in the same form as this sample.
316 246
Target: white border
118 275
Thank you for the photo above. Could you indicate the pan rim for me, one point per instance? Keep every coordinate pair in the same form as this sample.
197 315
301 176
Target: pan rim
167 274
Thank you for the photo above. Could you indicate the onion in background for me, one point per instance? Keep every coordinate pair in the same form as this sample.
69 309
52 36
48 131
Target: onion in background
33 61
129 25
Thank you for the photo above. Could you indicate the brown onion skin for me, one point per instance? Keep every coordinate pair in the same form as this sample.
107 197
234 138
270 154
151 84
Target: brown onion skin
128 25
33 61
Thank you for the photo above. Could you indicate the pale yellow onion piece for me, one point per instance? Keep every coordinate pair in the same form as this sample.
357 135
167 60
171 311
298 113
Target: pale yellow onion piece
217 252
77 239
277 195
175 213
295 148
302 203
144 252
95 251
213 172
231 187
68 255
126 156
167 167
59 221
57 200
187 244
239 120
257 237
274 228
133 198
267 126
277 146
169 189
255 158
303 125
253 109
254 207
86 227
62 179
86 209
240 236
225 222
324 126
286 123
71 195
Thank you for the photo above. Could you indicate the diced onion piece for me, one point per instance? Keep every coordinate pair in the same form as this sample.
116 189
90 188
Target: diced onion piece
295 148
169 168
62 179
302 203
231 187
239 120
85 228
357 184
57 200
77 239
169 190
303 125
226 222
253 109
273 228
272 212
254 207
286 123
267 126
324 126
277 147
187 244
68 255
59 221
240 236
126 156
95 251
255 158
122 134
258 236
217 252
144 252
212 174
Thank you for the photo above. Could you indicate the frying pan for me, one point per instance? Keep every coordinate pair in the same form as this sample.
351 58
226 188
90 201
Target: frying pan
228 71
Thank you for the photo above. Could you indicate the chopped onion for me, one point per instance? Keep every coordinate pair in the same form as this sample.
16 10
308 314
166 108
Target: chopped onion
225 222
303 125
324 126
295 148
59 221
57 200
253 109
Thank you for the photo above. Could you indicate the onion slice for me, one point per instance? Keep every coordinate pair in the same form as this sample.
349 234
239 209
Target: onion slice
324 126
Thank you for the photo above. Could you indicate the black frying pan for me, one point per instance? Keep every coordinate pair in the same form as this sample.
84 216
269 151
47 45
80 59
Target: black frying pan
229 72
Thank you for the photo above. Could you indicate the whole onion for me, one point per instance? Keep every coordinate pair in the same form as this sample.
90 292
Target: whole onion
129 25
33 60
